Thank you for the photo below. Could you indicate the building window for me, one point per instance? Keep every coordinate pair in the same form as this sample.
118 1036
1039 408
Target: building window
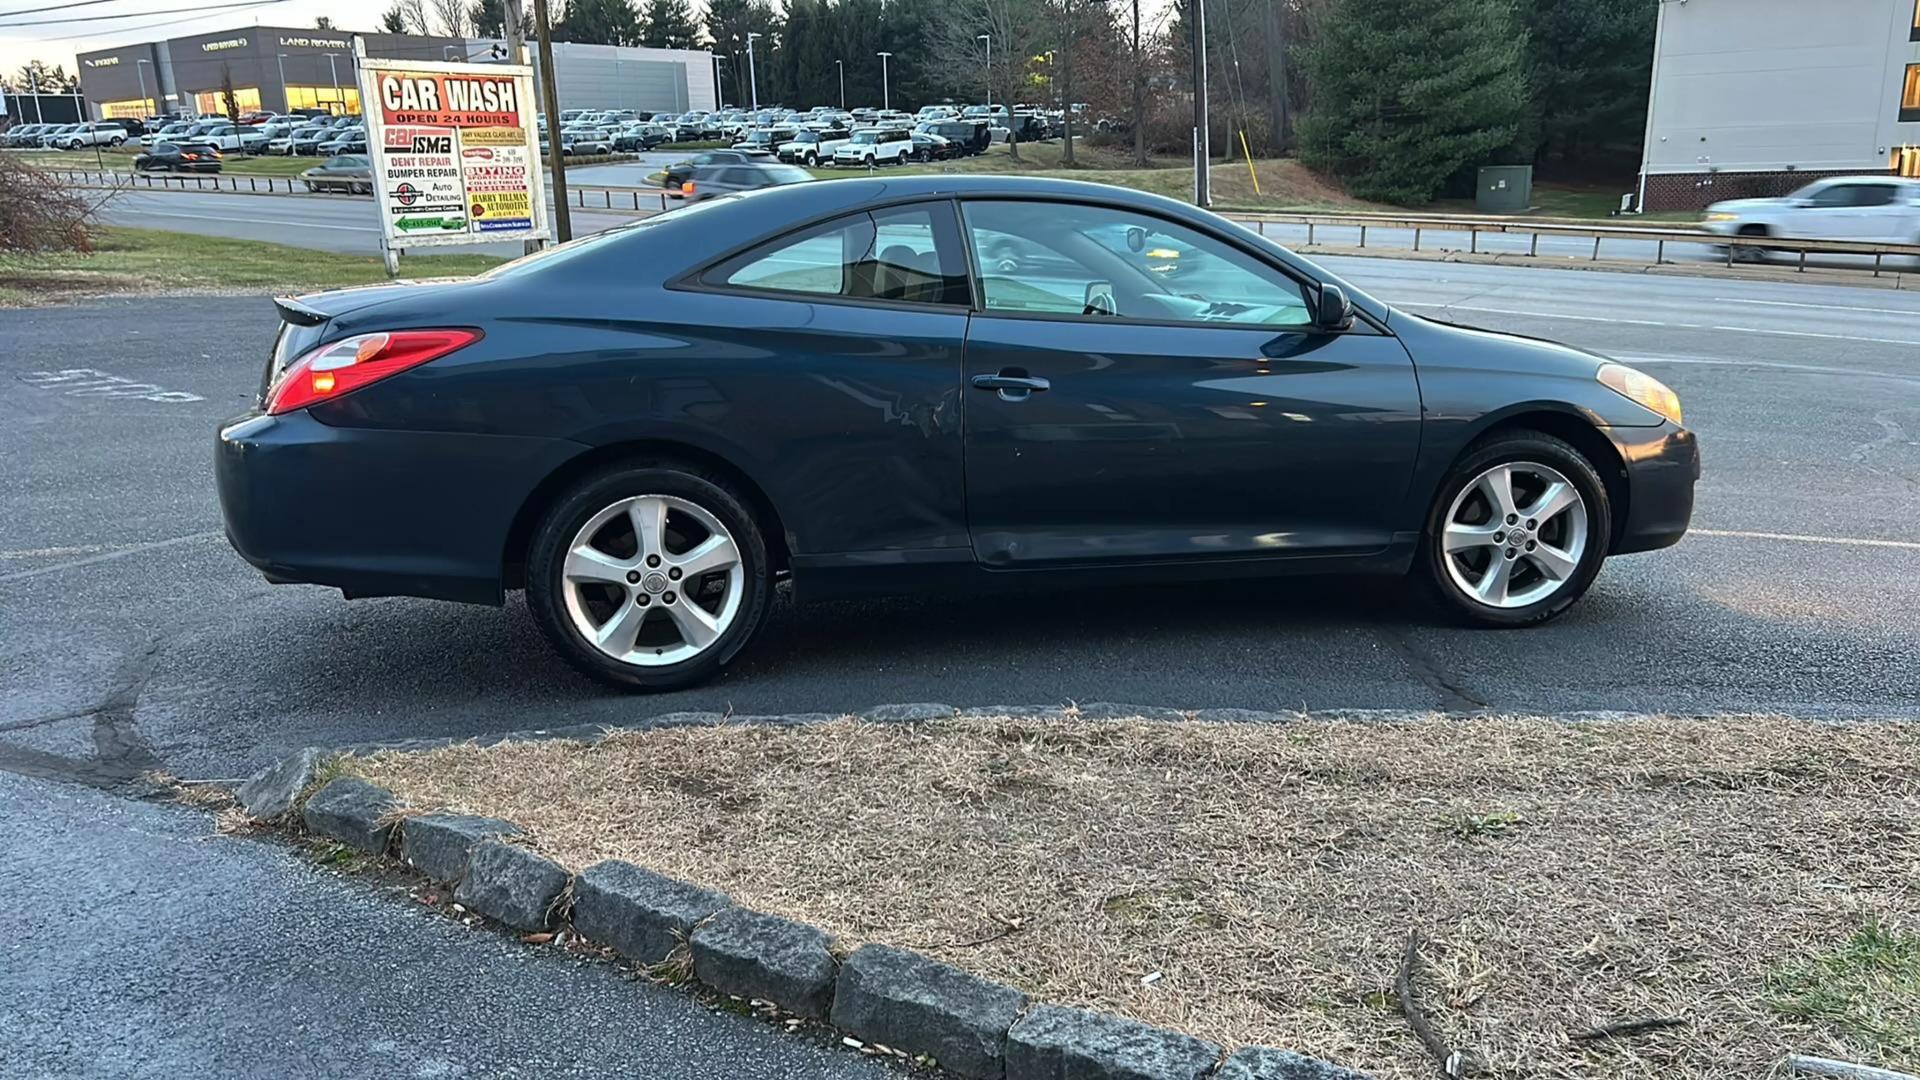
1910 97
126 110
333 99
1914 34
1905 162
214 103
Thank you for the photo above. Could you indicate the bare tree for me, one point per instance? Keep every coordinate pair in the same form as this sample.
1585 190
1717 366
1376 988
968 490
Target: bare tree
961 58
415 13
453 17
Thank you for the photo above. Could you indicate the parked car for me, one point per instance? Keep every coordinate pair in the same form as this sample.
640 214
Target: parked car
349 173
672 458
307 140
678 173
713 181
639 136
967 136
92 133
875 146
932 148
54 137
166 132
345 140
1883 209
586 141
24 134
809 147
173 157
766 139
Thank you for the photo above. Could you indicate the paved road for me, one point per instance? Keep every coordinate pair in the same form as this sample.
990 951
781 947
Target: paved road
136 943
131 637
345 223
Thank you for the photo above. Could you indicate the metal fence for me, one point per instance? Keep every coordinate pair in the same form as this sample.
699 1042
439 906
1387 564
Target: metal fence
653 200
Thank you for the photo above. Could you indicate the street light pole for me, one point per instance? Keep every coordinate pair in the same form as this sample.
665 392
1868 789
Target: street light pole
562 217
842 65
142 76
33 85
719 84
753 77
886 101
285 105
1202 148
336 82
988 38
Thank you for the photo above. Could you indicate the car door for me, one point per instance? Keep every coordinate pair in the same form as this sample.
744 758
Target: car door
1878 212
1830 212
1143 390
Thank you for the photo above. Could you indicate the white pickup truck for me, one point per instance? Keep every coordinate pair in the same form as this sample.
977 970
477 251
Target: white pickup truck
1883 209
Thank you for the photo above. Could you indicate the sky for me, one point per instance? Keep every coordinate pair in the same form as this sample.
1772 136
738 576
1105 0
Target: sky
57 43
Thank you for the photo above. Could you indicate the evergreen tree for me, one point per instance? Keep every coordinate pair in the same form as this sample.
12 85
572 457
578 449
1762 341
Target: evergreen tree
601 22
1589 65
489 18
668 24
1407 93
394 21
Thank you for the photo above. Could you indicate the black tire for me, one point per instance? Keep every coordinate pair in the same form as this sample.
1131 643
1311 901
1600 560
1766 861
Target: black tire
1747 254
1515 447
546 559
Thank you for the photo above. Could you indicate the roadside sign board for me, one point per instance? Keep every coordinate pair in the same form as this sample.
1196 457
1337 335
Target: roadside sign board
456 153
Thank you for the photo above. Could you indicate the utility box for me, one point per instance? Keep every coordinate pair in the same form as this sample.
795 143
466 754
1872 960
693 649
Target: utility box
1504 189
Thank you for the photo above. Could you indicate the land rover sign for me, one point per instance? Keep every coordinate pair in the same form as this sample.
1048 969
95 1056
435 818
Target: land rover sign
455 153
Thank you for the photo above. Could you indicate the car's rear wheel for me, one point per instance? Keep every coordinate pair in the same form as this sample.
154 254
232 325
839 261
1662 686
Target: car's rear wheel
649 576
1751 254
1517 531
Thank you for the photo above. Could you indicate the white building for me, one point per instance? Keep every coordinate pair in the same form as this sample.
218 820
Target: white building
621 77
1756 97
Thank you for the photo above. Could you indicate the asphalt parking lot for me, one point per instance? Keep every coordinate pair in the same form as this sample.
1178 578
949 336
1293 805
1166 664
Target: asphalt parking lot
132 638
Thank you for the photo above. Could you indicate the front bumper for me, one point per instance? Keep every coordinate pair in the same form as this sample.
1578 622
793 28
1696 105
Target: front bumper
1663 463
376 512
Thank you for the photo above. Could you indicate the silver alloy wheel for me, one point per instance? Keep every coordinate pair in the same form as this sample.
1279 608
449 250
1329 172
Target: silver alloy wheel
1515 535
652 580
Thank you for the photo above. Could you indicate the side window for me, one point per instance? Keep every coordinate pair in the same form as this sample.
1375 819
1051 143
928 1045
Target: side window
903 254
1097 262
1873 194
1831 196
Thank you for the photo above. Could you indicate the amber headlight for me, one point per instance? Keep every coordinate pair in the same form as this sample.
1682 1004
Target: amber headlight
1722 217
1641 388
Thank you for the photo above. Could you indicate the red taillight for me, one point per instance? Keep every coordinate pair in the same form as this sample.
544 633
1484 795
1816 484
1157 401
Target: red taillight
343 366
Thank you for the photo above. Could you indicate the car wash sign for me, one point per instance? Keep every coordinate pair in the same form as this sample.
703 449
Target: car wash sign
455 153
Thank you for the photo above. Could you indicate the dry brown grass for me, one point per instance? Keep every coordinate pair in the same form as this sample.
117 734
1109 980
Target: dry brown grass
1567 874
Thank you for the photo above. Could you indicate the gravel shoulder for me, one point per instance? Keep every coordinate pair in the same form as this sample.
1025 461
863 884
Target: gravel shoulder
1256 882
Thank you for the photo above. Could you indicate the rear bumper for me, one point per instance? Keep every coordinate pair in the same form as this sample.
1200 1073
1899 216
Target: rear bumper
373 512
1663 463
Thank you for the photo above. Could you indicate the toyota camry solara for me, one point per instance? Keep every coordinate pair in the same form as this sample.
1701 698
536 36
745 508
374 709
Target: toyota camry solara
650 428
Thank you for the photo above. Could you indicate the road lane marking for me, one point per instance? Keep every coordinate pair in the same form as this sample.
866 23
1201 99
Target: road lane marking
130 549
1811 334
1816 369
1818 307
1671 325
91 382
1799 538
259 221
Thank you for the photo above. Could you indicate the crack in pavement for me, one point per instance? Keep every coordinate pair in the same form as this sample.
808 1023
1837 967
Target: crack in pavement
1457 697
121 754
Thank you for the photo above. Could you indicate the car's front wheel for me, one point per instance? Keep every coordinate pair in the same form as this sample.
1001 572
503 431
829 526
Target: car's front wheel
649 576
1517 532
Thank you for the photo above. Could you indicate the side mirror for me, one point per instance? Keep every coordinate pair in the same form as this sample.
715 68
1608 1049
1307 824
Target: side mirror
1335 311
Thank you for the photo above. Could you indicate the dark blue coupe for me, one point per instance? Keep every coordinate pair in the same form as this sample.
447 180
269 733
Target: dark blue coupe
917 383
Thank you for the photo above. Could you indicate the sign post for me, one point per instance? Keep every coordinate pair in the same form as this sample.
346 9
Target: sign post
455 156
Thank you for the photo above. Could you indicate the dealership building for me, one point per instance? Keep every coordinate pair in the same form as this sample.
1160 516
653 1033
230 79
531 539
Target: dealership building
279 69
1757 97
